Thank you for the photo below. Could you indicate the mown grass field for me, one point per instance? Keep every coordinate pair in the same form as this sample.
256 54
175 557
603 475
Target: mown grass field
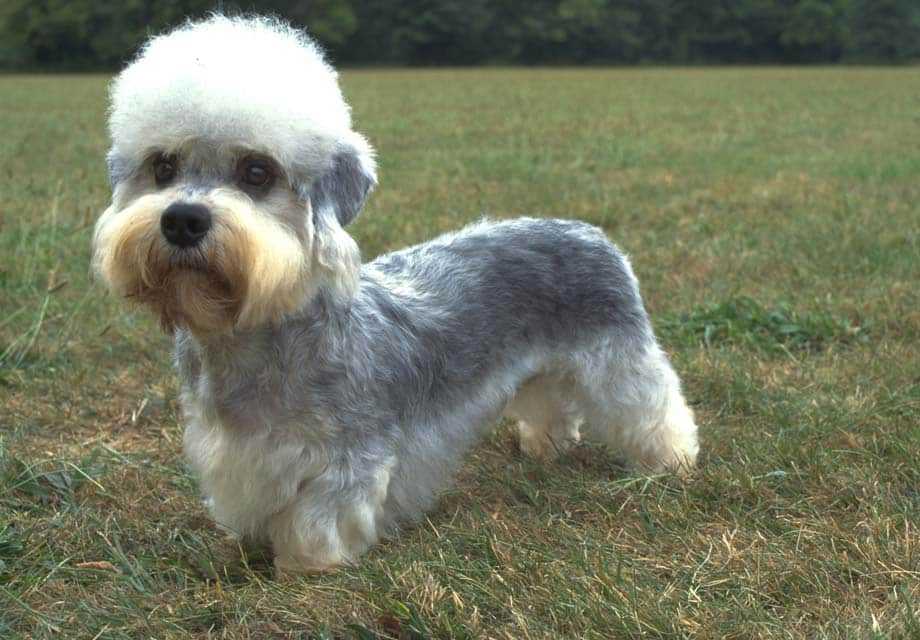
773 218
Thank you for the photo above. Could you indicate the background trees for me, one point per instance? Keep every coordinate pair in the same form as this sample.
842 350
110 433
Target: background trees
89 35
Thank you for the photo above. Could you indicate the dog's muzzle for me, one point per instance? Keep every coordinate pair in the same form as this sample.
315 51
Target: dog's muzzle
185 224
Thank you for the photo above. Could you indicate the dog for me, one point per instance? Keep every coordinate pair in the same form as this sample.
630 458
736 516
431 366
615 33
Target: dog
327 401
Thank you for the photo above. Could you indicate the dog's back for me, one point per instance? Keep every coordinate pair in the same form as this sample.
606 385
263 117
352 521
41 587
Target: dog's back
562 280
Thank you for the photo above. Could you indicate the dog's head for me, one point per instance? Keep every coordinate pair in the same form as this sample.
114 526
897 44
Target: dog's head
234 169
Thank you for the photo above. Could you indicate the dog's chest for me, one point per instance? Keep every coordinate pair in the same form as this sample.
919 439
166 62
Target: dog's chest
249 466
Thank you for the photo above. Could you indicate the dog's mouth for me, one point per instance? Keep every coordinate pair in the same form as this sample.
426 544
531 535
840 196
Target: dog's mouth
199 299
188 258
185 287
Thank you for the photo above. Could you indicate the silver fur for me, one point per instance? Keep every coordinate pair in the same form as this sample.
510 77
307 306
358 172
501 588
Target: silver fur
323 429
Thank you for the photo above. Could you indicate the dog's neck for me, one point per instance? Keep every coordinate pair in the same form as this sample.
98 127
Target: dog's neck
240 351
234 357
245 377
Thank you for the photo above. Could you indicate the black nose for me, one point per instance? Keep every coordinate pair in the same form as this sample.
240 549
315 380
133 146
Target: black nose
184 224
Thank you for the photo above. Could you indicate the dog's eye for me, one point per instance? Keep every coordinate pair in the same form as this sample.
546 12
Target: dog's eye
257 174
164 169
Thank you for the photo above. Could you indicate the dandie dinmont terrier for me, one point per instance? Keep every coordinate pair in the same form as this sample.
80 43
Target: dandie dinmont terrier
327 400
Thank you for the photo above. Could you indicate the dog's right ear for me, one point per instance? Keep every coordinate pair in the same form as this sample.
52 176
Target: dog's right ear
343 189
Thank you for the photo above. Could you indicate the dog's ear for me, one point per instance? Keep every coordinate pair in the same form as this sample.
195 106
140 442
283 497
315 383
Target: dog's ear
343 189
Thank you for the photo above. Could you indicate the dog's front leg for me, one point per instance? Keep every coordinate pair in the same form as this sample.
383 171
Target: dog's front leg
330 523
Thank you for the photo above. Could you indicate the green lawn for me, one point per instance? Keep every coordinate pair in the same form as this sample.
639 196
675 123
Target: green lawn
773 218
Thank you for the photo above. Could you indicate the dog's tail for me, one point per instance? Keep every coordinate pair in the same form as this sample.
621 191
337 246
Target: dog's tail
633 403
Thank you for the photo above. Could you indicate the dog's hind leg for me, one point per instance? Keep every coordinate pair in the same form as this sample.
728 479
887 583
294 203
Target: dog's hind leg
546 423
631 398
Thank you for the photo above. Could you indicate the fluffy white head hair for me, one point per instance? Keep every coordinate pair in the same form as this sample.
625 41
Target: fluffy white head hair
209 95
249 81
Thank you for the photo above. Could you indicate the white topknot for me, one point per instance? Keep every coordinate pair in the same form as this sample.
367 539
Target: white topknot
252 81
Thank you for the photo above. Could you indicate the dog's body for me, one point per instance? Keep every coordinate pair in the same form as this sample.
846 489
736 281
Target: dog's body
349 417
327 401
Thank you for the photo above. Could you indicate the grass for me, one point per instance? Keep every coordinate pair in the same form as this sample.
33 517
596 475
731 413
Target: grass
773 218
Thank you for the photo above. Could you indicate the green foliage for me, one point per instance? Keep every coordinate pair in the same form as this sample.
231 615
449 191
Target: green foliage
742 321
816 30
12 544
22 485
331 22
884 31
70 35
82 35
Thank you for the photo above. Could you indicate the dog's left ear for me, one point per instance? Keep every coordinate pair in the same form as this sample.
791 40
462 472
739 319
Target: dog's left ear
344 187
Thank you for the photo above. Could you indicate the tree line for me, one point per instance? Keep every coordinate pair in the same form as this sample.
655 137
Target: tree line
85 35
